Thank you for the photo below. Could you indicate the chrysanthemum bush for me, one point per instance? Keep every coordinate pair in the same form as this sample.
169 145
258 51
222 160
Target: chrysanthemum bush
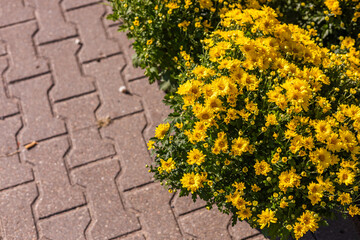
163 29
333 19
266 126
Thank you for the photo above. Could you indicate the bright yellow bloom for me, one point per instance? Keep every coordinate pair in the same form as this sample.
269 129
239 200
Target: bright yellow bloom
150 145
345 176
299 230
161 130
271 120
195 156
192 182
244 213
353 210
262 168
266 217
309 220
288 179
344 198
239 146
168 165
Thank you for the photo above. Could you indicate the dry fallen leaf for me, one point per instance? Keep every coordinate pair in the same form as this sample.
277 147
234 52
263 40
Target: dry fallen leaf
103 122
31 145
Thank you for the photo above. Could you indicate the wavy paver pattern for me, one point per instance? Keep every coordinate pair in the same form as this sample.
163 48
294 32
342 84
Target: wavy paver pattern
61 65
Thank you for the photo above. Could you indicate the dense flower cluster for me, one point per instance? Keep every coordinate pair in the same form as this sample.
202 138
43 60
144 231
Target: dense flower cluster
331 18
161 29
265 125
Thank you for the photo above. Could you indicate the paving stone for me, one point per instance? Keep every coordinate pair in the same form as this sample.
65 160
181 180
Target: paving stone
156 111
131 148
79 112
39 122
2 48
12 172
185 204
70 4
129 72
67 75
110 217
107 74
88 147
15 9
69 225
56 192
156 217
95 43
7 106
16 220
23 60
243 230
132 236
200 222
52 25
86 140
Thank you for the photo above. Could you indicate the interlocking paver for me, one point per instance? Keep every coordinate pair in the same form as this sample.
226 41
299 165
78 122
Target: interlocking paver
108 79
56 192
185 204
70 4
199 223
7 106
24 62
129 72
87 145
78 112
151 96
67 74
110 217
156 217
131 149
15 9
242 230
52 25
39 122
12 172
16 220
95 43
69 225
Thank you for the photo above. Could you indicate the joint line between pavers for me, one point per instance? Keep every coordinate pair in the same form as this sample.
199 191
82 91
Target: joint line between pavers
64 211
255 235
92 162
17 23
29 77
127 234
17 185
102 58
82 6
138 186
75 96
58 40
191 211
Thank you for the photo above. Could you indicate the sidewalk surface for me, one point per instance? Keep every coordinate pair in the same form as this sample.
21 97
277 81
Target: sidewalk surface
61 66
